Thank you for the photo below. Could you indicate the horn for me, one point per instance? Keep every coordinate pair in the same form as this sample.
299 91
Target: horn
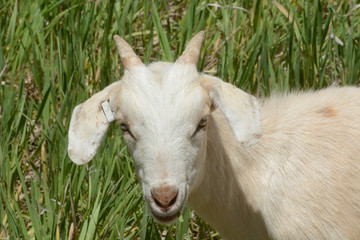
192 50
127 55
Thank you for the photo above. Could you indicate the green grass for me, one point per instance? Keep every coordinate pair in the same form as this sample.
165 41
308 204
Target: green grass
56 54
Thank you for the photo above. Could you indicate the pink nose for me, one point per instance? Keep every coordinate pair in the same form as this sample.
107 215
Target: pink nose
164 197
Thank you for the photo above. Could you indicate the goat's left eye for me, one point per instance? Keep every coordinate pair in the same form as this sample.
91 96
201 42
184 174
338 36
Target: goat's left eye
202 123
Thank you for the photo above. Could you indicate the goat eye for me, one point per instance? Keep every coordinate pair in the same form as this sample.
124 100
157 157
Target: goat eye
124 127
200 126
202 123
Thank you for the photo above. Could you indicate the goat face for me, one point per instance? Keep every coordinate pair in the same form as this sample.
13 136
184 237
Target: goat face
163 111
163 119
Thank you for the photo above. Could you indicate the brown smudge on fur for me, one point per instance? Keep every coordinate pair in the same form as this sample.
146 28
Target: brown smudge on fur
328 112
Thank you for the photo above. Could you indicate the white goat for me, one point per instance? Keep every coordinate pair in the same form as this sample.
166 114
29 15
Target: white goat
293 173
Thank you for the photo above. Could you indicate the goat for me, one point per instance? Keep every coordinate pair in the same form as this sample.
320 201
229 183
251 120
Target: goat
291 172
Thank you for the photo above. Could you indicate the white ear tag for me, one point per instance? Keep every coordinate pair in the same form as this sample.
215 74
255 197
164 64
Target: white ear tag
107 111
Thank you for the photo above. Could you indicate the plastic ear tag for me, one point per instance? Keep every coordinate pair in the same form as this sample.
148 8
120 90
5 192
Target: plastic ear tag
107 111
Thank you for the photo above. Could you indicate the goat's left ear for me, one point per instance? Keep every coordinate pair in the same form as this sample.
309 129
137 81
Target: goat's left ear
241 110
89 123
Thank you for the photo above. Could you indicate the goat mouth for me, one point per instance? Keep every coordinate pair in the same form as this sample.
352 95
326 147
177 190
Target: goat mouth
165 219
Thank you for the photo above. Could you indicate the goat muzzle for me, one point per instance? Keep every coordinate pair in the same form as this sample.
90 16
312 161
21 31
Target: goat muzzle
164 197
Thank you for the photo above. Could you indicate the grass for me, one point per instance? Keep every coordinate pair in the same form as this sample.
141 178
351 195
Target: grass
56 54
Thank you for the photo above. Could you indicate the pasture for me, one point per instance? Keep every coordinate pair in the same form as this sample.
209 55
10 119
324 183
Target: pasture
56 54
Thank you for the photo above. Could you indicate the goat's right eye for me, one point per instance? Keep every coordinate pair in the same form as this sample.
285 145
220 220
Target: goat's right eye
124 127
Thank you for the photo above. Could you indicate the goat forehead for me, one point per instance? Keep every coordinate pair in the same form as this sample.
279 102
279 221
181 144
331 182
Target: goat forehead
155 103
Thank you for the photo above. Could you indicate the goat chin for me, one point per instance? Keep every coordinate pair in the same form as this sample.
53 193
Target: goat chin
165 219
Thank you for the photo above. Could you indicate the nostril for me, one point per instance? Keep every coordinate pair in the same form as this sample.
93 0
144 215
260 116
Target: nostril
157 201
164 197
173 201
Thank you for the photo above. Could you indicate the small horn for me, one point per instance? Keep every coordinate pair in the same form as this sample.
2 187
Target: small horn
127 54
192 50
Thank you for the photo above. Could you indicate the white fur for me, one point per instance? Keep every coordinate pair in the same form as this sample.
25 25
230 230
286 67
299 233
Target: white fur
300 180
241 110
88 125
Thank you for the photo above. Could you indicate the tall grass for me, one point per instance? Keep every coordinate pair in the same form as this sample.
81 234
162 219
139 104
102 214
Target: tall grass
56 54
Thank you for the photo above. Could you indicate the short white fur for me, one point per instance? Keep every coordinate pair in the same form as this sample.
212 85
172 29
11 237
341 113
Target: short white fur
285 168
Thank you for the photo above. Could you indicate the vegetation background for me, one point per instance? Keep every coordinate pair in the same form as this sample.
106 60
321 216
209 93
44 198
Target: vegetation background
56 54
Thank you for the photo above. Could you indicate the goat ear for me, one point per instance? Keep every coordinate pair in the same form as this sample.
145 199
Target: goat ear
89 124
241 110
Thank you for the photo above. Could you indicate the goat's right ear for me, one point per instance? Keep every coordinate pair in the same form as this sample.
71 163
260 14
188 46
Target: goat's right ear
89 124
241 110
